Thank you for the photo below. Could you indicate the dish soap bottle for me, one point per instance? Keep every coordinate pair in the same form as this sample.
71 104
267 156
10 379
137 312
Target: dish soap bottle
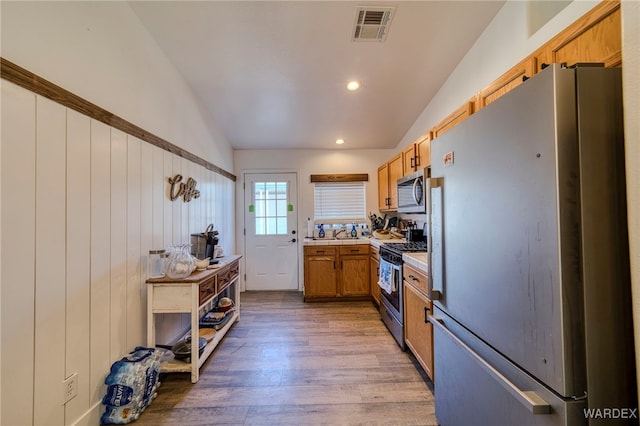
321 231
354 232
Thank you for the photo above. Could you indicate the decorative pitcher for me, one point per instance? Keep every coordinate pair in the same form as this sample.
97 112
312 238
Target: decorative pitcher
180 263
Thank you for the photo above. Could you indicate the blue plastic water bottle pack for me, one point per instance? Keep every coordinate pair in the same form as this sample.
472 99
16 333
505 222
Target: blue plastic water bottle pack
132 384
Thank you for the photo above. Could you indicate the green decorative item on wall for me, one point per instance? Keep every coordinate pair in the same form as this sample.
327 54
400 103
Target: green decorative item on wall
252 208
289 207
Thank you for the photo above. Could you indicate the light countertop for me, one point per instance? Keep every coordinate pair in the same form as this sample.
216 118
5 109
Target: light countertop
418 260
377 242
334 241
347 241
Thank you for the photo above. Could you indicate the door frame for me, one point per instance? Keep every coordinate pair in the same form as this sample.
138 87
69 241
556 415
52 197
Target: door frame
242 219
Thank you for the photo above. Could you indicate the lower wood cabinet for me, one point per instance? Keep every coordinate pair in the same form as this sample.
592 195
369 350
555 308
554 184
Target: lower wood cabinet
374 273
353 275
418 331
336 272
320 279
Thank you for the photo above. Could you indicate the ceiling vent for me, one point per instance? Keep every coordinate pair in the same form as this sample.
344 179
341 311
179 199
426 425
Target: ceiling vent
372 23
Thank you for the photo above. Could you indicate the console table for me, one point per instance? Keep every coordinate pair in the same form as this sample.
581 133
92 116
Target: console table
193 295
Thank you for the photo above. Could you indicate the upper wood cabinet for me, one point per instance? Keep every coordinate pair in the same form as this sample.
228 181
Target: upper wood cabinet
383 187
595 37
388 174
409 159
454 118
507 82
418 154
423 151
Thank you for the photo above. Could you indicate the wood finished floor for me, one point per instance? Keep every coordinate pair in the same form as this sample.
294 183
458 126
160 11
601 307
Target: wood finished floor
290 362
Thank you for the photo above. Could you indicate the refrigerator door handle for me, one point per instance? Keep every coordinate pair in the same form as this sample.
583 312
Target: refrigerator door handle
436 281
534 403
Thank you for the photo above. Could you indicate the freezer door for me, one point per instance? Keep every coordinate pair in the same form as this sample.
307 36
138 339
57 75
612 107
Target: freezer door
505 229
476 385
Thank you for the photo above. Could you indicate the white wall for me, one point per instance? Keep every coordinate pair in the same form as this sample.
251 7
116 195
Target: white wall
100 51
82 203
306 163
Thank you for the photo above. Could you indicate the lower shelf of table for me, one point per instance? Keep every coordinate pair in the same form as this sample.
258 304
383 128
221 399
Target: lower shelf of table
179 366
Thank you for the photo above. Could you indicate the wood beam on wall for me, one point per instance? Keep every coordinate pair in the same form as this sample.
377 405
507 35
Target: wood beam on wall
353 177
32 82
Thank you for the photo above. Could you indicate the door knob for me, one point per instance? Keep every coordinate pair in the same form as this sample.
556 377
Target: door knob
293 240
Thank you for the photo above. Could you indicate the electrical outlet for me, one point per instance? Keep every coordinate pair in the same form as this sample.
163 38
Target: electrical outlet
70 388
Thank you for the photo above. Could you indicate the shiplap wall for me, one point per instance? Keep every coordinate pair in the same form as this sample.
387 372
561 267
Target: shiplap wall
82 204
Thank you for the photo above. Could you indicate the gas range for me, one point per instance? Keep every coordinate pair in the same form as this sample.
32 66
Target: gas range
391 295
393 252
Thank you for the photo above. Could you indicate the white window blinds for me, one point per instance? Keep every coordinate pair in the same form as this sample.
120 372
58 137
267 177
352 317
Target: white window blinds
339 202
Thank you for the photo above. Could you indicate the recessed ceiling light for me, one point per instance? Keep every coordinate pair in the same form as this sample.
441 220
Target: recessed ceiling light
340 141
353 85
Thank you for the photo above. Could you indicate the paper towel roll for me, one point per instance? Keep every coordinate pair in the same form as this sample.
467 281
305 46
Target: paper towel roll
309 228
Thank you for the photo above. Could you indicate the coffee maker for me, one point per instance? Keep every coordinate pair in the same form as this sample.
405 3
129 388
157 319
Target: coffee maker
203 245
412 233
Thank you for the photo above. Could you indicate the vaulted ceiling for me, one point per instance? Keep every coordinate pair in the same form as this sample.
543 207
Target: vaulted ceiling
273 74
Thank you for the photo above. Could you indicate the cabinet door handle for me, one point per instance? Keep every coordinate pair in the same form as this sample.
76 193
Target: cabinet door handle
334 264
341 264
413 162
426 313
414 278
320 251
355 251
417 157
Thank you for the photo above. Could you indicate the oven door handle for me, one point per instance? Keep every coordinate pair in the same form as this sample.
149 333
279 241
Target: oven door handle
396 277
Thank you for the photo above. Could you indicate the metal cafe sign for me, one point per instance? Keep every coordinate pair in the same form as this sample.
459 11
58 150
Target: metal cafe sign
186 189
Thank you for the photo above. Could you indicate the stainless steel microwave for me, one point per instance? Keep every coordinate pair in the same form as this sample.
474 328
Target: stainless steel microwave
413 192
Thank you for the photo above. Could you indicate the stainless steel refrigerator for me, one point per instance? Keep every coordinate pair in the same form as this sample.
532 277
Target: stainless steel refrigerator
529 258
